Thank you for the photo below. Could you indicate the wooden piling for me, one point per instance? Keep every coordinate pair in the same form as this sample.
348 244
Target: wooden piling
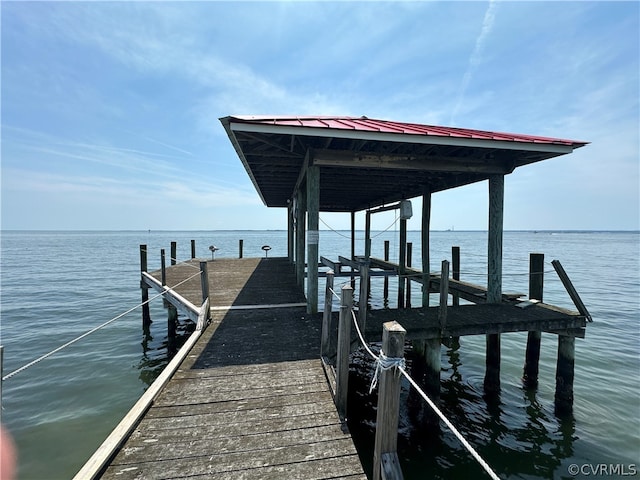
313 235
343 350
204 281
565 374
402 262
444 295
240 248
325 342
534 338
494 277
386 440
172 323
193 249
363 298
424 240
174 253
492 373
455 271
385 288
163 267
146 315
409 255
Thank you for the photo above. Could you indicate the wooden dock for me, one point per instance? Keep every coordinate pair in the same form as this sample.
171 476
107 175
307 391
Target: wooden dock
251 400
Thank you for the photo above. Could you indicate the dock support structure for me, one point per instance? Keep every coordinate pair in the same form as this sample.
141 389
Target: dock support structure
532 354
146 315
386 440
300 216
426 225
313 236
564 374
494 277
343 350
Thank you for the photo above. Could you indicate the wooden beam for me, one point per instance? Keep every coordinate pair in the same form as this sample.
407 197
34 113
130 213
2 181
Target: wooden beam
435 163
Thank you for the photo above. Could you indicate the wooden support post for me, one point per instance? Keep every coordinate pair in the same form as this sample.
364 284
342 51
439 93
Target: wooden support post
204 281
313 236
163 267
385 289
455 267
343 350
325 339
565 374
240 248
444 295
409 255
193 249
386 440
363 298
426 269
290 233
300 238
494 277
353 245
146 315
532 354
172 322
174 253
367 235
402 261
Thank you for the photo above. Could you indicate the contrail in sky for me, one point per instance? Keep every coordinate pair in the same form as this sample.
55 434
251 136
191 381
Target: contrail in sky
476 56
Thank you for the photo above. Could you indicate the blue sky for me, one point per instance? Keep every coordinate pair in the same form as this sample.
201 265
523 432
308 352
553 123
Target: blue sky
110 110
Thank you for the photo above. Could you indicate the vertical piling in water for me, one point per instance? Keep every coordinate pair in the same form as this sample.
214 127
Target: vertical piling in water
174 253
494 277
240 248
343 350
532 354
172 323
409 255
565 373
193 249
163 267
402 262
454 342
385 289
146 315
386 439
363 297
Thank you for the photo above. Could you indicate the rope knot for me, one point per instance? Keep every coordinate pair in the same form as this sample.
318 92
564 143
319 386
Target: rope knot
385 363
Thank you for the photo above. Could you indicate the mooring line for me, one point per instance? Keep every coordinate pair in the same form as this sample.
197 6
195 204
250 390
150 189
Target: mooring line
93 330
388 363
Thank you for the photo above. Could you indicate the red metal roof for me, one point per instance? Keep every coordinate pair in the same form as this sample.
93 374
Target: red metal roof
365 124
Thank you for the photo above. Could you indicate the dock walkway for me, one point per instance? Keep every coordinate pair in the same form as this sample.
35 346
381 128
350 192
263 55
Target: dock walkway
251 400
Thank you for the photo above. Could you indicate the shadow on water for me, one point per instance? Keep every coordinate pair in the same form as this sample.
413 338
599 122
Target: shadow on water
516 435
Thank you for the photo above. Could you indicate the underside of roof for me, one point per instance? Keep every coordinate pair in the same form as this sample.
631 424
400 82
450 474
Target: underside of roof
365 163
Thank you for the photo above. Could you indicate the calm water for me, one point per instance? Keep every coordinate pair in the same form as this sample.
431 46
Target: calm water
57 285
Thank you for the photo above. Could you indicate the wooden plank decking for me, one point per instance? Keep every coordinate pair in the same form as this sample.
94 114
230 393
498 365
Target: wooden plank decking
251 401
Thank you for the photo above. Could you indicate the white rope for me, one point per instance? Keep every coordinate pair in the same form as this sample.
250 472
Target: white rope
385 363
334 293
458 435
95 329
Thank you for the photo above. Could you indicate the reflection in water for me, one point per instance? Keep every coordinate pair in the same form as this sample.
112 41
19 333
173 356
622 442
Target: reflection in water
159 349
517 436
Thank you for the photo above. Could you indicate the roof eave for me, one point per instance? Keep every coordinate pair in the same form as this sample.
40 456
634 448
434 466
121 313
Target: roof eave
557 148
